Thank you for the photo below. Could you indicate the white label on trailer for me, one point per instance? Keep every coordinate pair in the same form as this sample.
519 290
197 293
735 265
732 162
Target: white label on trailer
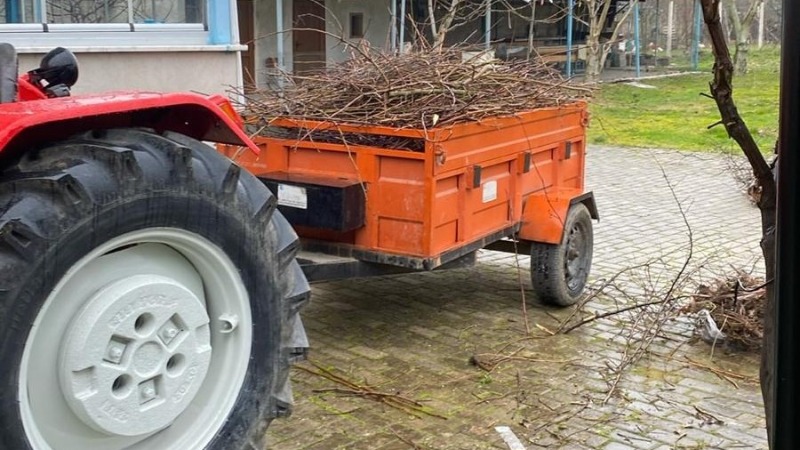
292 196
489 191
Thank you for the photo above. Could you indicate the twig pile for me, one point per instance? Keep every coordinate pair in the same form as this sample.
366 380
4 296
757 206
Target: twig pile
736 304
416 90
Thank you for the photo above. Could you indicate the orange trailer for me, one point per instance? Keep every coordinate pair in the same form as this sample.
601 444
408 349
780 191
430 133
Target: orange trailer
512 183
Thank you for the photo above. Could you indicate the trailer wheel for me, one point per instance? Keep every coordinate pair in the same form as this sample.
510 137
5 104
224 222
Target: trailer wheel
559 272
149 298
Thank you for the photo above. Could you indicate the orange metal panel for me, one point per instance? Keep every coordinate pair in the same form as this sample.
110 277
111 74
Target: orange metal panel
402 236
305 159
542 171
400 200
446 201
544 214
402 170
476 143
445 236
489 205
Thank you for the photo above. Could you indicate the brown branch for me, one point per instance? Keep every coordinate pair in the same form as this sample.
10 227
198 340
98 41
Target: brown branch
613 313
394 400
722 91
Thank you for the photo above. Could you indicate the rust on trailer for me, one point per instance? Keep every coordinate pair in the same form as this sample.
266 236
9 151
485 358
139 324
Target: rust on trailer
471 181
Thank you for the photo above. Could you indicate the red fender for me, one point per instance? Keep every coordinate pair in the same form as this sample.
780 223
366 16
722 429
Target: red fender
28 123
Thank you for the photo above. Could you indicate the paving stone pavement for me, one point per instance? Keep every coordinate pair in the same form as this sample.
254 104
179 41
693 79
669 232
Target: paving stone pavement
414 336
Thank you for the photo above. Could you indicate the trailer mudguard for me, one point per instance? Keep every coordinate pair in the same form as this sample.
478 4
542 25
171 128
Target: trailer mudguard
544 213
30 123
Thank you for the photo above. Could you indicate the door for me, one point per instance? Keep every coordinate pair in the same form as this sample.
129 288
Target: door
308 20
247 37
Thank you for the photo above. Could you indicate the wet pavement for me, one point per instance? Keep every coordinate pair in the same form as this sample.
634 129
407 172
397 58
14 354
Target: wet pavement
439 360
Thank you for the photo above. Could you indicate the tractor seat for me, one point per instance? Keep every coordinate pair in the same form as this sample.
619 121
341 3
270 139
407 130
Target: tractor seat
8 73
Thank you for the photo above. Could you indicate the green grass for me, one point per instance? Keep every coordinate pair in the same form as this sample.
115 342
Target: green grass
674 115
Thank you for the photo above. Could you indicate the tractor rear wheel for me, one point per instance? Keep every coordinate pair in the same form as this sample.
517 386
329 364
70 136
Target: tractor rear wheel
149 298
559 271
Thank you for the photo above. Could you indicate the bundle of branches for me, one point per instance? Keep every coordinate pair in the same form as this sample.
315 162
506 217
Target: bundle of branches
415 90
736 306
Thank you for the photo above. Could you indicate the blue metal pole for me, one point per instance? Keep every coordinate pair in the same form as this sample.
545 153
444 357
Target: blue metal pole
698 21
219 22
12 11
637 47
570 11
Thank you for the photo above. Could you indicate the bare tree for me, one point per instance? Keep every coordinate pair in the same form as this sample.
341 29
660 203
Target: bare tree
86 11
597 47
741 31
447 22
722 93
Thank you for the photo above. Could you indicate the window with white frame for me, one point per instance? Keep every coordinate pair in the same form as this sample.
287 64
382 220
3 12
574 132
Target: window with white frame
128 25
102 11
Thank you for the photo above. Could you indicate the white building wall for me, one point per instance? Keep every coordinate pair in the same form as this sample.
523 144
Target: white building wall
207 72
266 43
377 22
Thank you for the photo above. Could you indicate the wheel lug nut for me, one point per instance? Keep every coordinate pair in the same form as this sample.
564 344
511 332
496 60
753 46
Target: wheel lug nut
169 331
147 391
115 350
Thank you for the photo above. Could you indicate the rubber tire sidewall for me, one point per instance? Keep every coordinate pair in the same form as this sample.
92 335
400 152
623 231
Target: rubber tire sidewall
548 274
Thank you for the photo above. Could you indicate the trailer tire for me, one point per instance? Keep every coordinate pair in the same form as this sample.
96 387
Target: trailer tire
559 271
178 255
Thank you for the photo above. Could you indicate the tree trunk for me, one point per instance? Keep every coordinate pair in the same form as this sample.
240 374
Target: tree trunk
531 29
722 92
432 18
593 50
444 27
767 371
596 51
741 32
736 24
592 74
742 50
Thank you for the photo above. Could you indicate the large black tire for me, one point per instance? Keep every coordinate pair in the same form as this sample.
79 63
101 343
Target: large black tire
60 202
559 272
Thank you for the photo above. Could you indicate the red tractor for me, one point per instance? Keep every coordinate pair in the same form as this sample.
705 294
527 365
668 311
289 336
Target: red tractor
149 292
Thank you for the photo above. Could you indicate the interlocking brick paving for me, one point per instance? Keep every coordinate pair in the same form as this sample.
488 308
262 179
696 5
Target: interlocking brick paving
414 335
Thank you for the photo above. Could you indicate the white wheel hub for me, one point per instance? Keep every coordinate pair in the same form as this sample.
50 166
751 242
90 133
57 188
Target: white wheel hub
136 355
120 355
